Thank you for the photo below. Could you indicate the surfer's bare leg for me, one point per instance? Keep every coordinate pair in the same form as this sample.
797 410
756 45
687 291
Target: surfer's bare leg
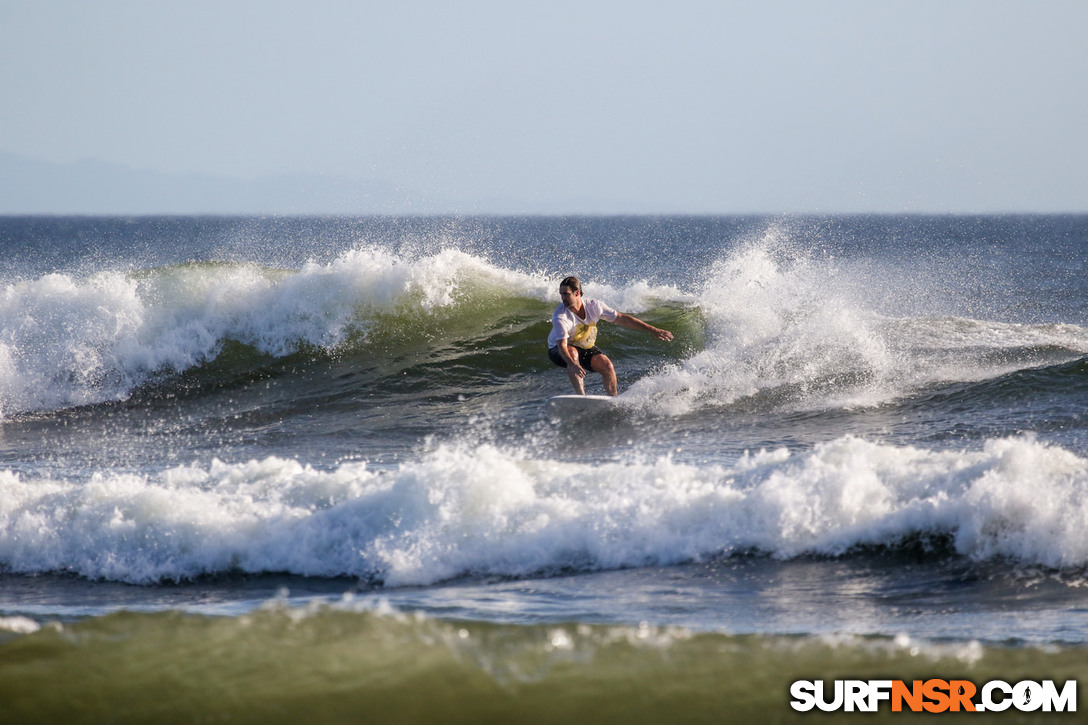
577 380
601 364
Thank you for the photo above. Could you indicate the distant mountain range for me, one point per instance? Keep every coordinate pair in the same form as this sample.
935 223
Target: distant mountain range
97 187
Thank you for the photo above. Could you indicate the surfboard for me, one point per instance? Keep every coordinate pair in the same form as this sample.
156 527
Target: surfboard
579 404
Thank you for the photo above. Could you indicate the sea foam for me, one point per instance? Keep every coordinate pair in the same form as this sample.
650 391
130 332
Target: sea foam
787 322
485 510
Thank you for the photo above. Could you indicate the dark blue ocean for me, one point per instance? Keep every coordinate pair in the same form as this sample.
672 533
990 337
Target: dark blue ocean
287 469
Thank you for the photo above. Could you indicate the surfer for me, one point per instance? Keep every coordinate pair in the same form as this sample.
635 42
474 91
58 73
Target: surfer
572 342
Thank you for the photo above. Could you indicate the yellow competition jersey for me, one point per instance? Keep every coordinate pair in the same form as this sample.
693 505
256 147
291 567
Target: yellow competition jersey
579 332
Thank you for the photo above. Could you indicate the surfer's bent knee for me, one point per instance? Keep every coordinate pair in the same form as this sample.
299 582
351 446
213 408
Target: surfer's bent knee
585 357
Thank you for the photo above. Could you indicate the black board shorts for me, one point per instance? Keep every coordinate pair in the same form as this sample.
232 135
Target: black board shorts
584 356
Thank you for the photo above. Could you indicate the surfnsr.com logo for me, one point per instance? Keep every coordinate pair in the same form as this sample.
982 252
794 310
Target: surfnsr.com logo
933 696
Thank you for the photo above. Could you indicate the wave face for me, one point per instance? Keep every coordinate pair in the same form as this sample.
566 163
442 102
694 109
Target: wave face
71 341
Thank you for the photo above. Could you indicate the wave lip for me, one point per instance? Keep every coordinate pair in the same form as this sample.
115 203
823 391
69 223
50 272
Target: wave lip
483 510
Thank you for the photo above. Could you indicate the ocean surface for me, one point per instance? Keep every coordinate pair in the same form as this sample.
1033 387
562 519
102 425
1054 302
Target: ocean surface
302 469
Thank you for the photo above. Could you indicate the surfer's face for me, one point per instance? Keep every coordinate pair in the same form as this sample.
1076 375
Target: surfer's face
570 297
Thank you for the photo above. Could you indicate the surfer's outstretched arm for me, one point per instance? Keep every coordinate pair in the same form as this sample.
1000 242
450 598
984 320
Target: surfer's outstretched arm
633 323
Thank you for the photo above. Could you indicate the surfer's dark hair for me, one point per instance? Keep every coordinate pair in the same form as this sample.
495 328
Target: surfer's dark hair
572 283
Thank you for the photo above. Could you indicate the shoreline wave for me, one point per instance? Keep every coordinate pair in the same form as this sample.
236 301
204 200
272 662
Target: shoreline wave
334 662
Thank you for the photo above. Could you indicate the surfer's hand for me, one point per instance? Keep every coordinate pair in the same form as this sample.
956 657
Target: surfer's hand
579 371
663 335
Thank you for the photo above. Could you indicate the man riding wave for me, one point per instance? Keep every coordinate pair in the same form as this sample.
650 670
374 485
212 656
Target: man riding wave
572 341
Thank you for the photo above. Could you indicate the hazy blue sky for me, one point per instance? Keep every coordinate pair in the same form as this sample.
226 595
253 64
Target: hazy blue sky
672 106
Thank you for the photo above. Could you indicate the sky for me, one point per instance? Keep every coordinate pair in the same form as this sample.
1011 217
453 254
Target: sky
678 106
